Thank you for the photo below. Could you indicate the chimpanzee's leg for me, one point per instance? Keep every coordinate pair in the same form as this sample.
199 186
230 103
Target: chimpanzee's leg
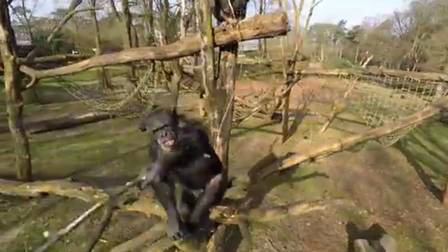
185 201
214 191
165 195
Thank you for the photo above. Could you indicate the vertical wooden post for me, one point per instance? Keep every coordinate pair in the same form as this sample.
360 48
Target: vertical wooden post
14 99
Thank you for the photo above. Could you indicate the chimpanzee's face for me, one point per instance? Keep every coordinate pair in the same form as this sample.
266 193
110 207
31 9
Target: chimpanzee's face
166 138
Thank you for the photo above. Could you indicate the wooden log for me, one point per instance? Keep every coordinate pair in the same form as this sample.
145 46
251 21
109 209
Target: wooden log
263 26
57 58
65 122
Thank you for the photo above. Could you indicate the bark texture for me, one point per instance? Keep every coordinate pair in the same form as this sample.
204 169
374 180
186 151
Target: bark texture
14 99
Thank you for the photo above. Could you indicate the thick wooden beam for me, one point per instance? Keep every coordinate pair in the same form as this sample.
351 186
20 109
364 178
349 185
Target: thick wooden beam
264 26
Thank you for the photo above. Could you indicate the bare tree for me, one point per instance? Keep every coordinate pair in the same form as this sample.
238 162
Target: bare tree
102 74
14 99
148 21
262 43
289 67
127 22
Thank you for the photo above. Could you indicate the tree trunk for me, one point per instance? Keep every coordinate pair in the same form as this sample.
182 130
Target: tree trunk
127 21
135 38
183 16
127 38
208 64
219 94
226 90
149 22
102 74
177 73
290 65
14 100
27 21
261 41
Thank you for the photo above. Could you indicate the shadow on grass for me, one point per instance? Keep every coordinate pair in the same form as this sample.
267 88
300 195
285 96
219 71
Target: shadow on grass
402 145
89 175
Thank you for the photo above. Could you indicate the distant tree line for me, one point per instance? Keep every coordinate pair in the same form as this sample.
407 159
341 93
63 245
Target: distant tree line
413 39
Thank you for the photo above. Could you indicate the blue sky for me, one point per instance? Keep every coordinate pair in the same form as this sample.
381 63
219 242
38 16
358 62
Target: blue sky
354 11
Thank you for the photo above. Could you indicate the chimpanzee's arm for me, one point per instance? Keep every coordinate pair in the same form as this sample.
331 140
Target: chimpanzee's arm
156 171
164 192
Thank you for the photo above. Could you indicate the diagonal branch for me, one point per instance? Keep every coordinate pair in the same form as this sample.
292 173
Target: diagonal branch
66 18
254 28
31 55
348 142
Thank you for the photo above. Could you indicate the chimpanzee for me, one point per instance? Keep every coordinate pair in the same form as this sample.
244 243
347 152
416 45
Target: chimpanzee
181 155
223 12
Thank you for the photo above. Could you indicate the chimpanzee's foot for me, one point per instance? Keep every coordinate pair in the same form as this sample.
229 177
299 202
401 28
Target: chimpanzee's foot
205 229
181 233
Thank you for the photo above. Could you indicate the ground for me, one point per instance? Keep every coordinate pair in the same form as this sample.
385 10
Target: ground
385 184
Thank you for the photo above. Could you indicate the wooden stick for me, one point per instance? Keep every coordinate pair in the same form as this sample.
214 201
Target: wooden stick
54 238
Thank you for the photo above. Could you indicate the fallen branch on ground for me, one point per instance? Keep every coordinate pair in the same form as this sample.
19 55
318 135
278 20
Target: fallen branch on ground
67 122
55 237
64 188
348 142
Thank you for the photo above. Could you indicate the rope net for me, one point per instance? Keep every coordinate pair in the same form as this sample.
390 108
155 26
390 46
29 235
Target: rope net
124 98
389 99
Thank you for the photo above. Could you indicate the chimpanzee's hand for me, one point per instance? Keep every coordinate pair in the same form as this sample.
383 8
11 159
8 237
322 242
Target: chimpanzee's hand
149 176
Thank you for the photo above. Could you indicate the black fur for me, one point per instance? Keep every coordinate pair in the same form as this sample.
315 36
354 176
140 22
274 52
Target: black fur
191 163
